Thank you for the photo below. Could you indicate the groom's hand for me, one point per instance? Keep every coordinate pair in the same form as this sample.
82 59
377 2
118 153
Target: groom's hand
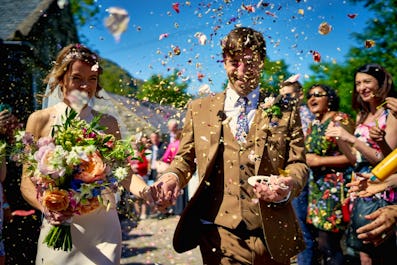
167 190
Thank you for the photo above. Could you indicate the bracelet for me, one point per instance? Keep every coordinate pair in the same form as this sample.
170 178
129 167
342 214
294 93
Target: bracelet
6 205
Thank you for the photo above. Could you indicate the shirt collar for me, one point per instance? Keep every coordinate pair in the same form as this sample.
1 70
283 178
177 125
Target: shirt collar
253 97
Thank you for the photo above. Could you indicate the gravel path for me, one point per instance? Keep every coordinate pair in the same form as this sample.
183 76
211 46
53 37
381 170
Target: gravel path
151 243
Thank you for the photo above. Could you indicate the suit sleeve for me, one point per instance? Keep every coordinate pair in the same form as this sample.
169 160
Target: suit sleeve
184 162
296 163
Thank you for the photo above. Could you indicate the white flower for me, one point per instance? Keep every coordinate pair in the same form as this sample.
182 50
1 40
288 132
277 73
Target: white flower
120 173
268 102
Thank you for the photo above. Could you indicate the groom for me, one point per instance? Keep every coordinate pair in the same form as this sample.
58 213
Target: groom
230 137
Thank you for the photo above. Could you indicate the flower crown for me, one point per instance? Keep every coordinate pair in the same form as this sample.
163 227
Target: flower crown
75 53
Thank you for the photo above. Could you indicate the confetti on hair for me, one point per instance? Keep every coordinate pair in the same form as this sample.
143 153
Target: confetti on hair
95 67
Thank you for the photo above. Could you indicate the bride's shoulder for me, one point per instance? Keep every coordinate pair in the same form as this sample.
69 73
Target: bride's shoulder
42 115
39 122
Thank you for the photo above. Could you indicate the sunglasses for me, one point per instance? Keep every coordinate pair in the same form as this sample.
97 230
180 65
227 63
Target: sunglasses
316 95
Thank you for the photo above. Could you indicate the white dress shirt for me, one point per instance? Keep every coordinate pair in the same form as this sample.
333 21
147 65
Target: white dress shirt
232 110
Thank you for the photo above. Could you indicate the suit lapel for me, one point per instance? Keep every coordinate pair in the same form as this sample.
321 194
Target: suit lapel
216 106
261 131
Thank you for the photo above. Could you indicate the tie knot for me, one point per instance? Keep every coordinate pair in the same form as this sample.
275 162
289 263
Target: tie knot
242 101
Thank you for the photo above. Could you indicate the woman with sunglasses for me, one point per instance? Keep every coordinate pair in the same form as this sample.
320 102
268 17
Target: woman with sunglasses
373 139
328 173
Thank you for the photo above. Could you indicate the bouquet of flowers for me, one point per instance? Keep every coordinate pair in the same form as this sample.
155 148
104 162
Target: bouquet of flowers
72 170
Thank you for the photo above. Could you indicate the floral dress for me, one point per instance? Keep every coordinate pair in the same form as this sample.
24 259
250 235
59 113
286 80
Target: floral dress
326 184
366 205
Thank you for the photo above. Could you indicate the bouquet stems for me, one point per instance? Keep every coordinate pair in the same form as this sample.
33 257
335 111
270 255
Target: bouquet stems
59 237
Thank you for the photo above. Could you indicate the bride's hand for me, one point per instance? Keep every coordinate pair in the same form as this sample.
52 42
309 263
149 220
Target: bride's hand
57 218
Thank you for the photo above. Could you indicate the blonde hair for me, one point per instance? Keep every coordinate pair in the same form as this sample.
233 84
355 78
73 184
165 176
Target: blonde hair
65 59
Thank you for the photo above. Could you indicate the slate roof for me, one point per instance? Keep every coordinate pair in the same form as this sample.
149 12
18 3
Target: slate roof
20 16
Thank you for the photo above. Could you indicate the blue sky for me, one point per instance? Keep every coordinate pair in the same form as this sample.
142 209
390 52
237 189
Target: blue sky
290 28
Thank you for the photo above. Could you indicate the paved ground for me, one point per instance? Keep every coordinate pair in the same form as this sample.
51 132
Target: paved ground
151 243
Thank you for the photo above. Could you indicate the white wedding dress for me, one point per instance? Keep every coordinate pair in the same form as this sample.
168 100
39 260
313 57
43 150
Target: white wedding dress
96 236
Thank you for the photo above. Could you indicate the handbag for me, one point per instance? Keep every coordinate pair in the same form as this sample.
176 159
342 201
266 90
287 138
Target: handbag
361 208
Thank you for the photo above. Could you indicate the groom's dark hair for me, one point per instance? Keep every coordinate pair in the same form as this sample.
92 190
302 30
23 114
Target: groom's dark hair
242 38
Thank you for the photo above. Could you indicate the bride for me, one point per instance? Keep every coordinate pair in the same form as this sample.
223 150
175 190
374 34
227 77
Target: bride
96 235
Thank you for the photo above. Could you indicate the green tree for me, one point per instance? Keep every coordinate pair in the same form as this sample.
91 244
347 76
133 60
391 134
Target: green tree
164 90
116 80
84 10
273 74
379 32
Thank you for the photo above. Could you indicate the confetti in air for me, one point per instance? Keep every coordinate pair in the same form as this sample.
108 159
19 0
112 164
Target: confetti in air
175 6
162 36
316 56
117 21
324 28
352 16
369 43
202 39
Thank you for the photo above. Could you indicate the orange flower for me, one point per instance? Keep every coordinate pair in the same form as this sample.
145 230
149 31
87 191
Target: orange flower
92 170
89 207
56 200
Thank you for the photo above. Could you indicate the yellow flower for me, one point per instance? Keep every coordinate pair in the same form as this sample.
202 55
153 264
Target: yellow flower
327 225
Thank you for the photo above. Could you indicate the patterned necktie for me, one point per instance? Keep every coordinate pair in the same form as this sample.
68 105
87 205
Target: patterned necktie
242 120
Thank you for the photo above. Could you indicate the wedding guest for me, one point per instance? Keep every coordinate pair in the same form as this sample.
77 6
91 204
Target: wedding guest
292 89
328 174
96 235
229 137
158 148
373 139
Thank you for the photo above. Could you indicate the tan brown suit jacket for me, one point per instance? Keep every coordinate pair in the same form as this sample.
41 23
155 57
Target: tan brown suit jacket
280 146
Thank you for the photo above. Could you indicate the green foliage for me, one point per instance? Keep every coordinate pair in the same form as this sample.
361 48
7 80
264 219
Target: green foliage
379 30
274 72
164 90
116 80
83 10
337 76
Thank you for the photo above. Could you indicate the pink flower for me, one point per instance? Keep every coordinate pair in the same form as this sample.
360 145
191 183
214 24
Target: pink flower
43 141
45 156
